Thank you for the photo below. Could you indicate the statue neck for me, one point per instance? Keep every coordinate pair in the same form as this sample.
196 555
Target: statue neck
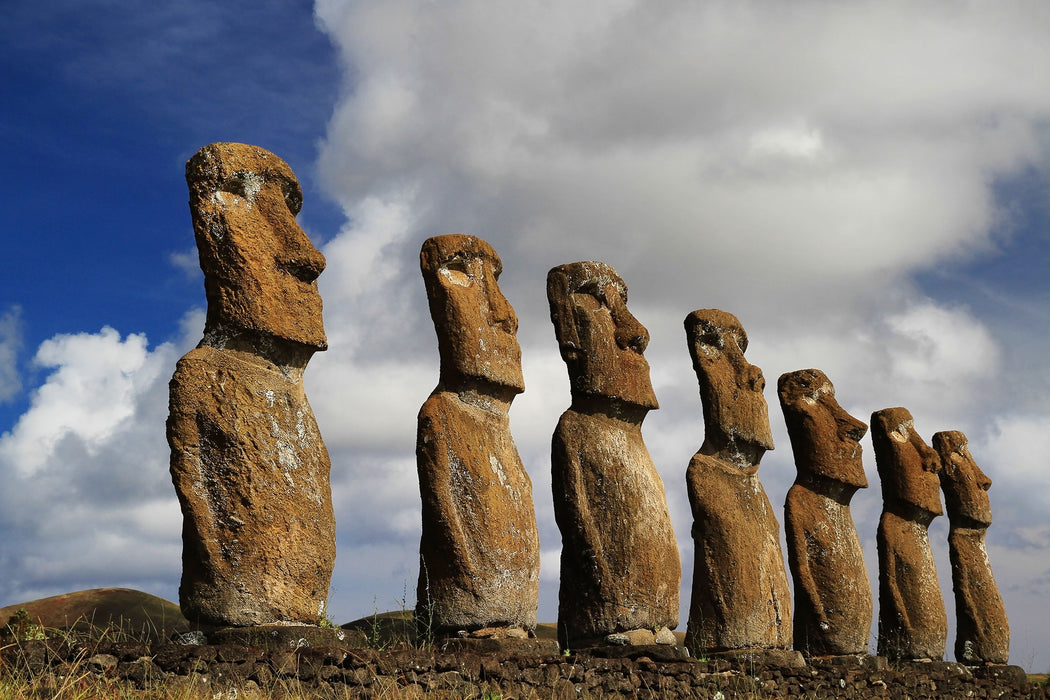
252 346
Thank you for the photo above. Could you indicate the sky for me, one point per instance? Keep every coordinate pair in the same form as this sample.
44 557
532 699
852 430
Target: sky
866 186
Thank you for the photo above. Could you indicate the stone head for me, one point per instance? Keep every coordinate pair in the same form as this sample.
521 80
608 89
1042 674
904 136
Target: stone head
260 269
476 325
965 485
600 340
736 418
907 466
824 438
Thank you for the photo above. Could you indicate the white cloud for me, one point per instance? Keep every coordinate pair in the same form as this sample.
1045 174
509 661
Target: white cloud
785 143
92 391
10 347
187 261
87 499
940 345
1012 450
641 127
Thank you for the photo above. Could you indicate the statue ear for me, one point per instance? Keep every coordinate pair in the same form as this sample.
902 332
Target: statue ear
562 312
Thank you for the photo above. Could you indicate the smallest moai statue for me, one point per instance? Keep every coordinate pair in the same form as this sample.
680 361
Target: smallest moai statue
982 631
833 602
913 623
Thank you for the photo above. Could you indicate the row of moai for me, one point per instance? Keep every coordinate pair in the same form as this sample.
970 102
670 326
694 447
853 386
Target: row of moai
252 473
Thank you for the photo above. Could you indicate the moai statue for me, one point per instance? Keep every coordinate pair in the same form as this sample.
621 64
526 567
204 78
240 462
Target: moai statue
247 460
982 630
912 620
740 597
620 571
833 602
479 553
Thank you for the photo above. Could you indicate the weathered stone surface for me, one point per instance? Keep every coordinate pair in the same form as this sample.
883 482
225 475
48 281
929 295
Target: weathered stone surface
912 619
783 658
833 603
620 569
529 647
247 460
740 595
288 637
982 630
479 550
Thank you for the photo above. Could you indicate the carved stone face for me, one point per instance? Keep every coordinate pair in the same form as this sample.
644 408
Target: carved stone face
731 388
600 340
824 438
965 485
476 325
907 466
260 269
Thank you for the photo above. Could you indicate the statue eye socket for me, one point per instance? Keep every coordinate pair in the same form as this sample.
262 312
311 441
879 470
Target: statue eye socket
293 196
243 183
591 287
455 270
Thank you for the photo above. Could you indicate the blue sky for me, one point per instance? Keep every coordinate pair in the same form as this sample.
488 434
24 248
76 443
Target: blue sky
866 187
104 103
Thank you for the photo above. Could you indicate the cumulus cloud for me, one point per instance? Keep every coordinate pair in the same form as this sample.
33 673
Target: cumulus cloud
753 134
87 500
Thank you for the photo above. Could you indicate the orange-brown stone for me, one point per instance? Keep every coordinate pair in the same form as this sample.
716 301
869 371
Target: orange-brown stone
620 570
479 550
260 269
247 460
912 619
740 595
833 603
982 631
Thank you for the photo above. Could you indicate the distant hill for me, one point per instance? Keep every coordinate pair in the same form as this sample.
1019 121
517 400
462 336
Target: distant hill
127 614
121 611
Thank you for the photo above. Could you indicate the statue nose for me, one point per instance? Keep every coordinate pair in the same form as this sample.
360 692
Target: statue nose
630 333
503 314
302 260
983 482
850 427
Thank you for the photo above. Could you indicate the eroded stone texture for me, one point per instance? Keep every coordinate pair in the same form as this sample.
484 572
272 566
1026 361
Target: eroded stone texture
833 603
479 551
982 629
620 570
740 596
247 460
912 619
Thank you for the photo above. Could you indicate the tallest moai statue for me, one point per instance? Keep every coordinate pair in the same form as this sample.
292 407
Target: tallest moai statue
247 460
